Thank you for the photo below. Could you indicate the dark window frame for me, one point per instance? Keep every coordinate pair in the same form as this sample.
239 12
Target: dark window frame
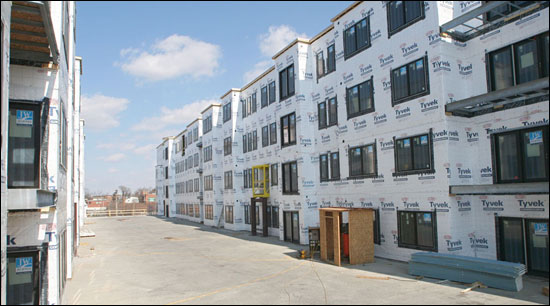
264 96
285 72
274 172
430 170
265 136
409 97
416 246
226 112
227 146
228 179
348 101
291 191
272 92
518 133
228 209
405 24
363 175
289 143
330 169
349 54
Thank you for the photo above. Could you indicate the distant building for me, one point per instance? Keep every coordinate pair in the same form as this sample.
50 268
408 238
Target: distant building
131 200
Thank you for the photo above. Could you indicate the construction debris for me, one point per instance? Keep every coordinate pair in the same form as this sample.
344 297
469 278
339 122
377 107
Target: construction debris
473 286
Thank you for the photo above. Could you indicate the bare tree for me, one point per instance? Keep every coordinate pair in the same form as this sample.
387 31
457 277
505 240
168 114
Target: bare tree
126 191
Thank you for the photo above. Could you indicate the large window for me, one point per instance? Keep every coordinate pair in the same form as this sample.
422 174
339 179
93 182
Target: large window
264 96
265 136
272 92
286 81
290 178
357 37
229 214
417 230
196 183
227 146
288 130
208 153
207 125
228 180
330 161
528 58
410 81
330 66
274 217
273 133
247 214
362 161
195 134
245 143
274 174
226 112
24 145
209 212
360 99
414 155
196 159
247 176
254 140
254 103
209 182
521 155
402 14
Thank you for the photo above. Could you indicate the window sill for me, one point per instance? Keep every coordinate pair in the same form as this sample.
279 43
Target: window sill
291 193
406 99
416 247
360 177
413 172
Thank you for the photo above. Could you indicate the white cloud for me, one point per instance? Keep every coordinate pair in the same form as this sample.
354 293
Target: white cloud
114 157
146 149
119 146
101 112
112 170
178 116
277 38
172 57
258 69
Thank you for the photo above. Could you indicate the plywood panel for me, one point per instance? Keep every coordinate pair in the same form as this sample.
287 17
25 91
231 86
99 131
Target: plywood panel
323 235
336 231
361 236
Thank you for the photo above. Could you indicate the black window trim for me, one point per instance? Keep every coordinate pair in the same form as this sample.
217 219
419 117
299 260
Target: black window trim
405 25
327 111
415 96
330 170
519 150
431 170
368 110
290 143
357 51
291 192
290 94
270 101
364 176
412 246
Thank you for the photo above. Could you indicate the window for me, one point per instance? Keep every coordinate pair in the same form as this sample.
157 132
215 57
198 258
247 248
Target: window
376 226
274 174
417 230
245 143
286 79
265 136
327 117
209 212
166 153
323 163
320 65
250 142
274 217
360 99
229 214
228 180
254 103
288 130
207 125
190 137
195 134
243 107
272 92
414 155
290 178
208 153
331 59
227 145
165 172
63 136
273 133
247 178
208 183
410 81
362 161
226 112
263 98
521 156
357 37
197 211
24 145
402 14
196 158
196 183
255 140
528 58
247 214
166 194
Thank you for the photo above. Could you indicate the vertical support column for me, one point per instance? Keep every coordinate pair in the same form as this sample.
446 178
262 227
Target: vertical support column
336 230
253 216
264 216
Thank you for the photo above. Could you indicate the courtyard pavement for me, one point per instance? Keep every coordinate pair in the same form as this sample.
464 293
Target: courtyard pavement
155 260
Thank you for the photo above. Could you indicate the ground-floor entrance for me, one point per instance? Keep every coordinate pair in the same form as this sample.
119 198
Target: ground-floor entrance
292 226
524 241
23 282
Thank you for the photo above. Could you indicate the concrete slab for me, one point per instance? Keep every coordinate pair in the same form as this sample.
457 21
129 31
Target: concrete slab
154 260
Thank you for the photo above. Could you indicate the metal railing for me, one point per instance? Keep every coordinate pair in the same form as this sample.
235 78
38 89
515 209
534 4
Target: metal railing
119 213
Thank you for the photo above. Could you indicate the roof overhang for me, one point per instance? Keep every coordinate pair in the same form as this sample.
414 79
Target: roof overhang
32 37
474 23
523 94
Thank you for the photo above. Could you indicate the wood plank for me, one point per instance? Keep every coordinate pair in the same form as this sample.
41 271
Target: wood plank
29 48
25 3
361 236
27 27
26 16
27 37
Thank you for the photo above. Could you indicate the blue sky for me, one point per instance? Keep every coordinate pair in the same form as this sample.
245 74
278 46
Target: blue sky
149 68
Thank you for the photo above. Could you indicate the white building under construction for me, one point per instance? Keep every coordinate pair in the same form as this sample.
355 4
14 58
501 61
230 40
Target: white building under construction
434 114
